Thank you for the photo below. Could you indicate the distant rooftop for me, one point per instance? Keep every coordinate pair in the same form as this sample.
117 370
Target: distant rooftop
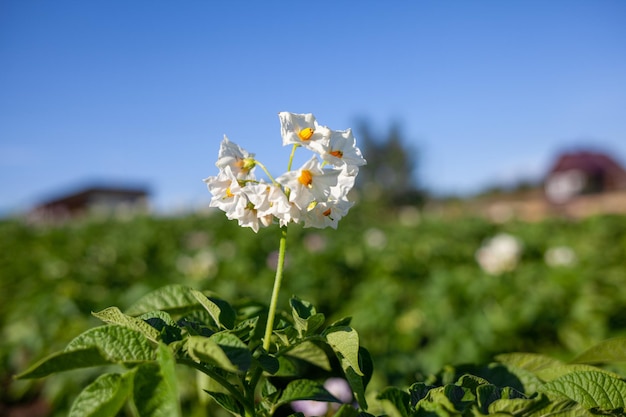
95 198
583 172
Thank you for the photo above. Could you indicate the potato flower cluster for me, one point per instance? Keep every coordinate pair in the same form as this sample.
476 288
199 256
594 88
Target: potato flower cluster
316 194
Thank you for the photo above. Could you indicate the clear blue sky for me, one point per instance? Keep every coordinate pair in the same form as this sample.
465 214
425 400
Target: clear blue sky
143 91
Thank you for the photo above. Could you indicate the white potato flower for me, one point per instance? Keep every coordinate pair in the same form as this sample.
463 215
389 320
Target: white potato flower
342 151
240 161
309 183
326 213
316 194
303 129
225 189
270 201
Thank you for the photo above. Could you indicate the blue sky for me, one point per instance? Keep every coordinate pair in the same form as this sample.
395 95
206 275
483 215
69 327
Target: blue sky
143 91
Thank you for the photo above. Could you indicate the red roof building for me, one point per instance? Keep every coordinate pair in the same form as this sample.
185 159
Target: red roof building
96 199
580 173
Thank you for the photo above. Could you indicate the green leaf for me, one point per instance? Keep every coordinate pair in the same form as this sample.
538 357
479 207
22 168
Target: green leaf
305 318
174 299
591 389
168 329
167 363
269 363
113 315
471 381
312 353
342 322
447 399
549 374
155 392
305 389
118 343
609 351
461 398
346 410
530 369
65 361
418 391
268 389
395 402
287 367
104 397
223 314
529 361
206 349
345 343
564 408
96 347
157 319
487 394
517 406
357 382
227 402
236 350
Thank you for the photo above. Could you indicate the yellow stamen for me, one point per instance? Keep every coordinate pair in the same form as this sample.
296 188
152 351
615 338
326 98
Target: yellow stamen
306 133
229 193
305 178
337 154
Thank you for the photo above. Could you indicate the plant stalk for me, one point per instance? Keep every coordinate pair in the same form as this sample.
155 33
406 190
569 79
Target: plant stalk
277 282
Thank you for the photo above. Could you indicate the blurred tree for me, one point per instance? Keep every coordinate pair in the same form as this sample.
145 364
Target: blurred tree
390 173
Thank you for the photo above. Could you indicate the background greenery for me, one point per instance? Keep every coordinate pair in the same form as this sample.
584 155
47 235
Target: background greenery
418 298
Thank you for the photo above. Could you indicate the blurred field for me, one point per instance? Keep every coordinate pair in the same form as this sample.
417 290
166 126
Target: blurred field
411 282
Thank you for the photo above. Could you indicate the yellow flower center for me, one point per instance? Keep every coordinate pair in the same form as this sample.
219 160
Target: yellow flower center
337 154
245 164
306 133
229 193
305 178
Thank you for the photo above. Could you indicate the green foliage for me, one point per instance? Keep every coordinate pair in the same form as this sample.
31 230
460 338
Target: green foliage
518 384
228 351
397 273
482 391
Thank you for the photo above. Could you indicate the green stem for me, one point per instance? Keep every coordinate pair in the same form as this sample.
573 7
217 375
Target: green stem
293 152
277 282
266 171
267 340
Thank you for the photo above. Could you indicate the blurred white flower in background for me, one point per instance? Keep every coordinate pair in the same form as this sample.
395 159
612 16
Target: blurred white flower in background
202 265
499 254
314 242
375 238
560 256
409 216
338 387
